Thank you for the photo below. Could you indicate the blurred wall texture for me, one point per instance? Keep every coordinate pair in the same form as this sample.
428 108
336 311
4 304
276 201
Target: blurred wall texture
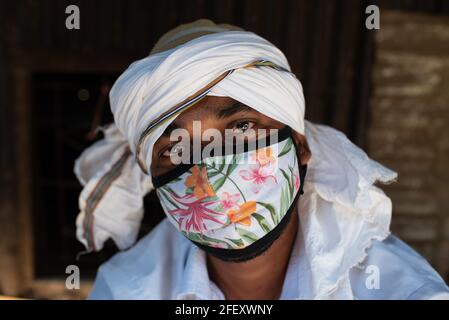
386 89
409 128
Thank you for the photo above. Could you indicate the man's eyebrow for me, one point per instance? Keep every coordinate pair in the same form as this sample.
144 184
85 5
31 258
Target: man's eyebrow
232 109
172 126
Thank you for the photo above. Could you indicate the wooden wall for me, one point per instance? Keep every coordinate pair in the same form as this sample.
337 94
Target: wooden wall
325 41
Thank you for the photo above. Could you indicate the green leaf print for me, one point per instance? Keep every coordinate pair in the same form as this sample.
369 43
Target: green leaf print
291 169
170 190
209 239
289 181
285 201
272 210
194 237
262 222
248 236
232 166
212 173
205 239
207 199
237 242
286 148
222 165
167 197
218 183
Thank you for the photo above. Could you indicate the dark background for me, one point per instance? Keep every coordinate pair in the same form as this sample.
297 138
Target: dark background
51 97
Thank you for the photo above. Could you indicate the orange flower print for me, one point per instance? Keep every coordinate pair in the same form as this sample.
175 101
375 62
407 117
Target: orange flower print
264 156
199 182
242 215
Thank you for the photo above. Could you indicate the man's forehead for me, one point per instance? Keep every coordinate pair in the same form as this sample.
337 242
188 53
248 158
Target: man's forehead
218 106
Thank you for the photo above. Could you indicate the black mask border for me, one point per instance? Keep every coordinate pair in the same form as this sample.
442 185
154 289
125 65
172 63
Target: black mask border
259 246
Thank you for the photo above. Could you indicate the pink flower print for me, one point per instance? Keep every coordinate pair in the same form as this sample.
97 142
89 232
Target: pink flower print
259 176
297 182
229 201
195 212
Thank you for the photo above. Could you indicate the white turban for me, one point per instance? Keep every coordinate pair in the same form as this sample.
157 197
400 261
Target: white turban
339 190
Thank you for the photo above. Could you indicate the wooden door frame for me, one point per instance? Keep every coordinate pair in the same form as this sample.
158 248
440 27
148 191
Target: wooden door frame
18 278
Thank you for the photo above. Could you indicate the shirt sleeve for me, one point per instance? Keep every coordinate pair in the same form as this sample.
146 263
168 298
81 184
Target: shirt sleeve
100 289
430 291
394 271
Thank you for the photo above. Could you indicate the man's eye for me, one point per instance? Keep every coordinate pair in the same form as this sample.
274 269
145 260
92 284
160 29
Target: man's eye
242 126
175 150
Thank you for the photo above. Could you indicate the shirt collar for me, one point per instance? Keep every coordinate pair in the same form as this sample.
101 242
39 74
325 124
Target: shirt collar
196 283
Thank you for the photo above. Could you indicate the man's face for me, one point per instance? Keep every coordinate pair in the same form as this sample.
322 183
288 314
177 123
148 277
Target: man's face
218 113
227 117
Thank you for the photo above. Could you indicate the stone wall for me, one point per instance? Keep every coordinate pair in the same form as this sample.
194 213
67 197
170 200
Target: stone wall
409 127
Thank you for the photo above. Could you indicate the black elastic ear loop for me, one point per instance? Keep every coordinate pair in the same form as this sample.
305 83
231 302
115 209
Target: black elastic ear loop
302 178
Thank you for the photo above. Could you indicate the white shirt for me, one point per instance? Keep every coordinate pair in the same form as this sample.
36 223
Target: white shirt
166 265
343 248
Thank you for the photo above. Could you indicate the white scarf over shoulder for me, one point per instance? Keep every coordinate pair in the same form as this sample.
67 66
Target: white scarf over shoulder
341 212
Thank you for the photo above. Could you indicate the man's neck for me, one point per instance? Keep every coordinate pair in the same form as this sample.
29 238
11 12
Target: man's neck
258 278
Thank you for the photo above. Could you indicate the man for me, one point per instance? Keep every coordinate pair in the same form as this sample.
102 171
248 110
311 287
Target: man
293 218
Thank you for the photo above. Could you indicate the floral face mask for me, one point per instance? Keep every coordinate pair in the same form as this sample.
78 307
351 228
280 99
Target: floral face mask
235 206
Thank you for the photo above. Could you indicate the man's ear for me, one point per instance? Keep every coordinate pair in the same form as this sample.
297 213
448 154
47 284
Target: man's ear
304 153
